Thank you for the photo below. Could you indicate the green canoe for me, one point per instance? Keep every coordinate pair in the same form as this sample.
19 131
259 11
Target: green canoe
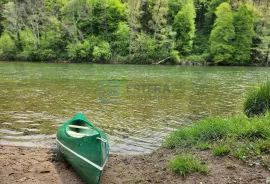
84 146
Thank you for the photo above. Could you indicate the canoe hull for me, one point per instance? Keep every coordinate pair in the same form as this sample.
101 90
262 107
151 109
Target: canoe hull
87 154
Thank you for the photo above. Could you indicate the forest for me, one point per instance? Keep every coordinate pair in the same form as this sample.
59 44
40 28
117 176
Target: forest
217 32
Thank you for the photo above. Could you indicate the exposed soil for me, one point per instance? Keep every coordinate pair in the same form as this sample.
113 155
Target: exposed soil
38 165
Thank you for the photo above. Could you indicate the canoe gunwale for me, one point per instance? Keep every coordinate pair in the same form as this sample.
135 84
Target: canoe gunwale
83 158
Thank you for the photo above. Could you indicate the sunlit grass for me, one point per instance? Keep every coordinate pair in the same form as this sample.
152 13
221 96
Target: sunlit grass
186 163
221 150
240 135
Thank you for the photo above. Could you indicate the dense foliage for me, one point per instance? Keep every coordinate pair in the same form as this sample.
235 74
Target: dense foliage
136 31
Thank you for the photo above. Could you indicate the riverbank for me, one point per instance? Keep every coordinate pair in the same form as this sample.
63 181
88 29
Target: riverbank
184 62
39 165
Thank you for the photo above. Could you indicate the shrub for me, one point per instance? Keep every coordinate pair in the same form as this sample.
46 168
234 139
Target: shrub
102 51
175 56
258 100
185 164
196 58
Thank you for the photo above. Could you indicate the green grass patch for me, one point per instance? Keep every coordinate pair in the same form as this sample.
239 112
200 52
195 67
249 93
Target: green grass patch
185 164
239 135
241 152
258 100
220 150
203 145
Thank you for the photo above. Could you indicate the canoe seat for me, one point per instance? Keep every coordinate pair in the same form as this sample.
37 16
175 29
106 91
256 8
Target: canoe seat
75 134
80 127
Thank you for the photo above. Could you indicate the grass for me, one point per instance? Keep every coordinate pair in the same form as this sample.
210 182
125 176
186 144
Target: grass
241 136
221 150
138 180
258 100
229 129
185 164
203 145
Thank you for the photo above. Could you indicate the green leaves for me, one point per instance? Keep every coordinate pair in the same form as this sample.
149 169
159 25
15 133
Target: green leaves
222 35
244 21
146 31
184 25
7 46
102 51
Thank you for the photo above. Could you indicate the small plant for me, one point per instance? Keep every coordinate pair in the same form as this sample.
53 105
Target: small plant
258 100
266 161
229 165
264 146
185 164
221 150
240 152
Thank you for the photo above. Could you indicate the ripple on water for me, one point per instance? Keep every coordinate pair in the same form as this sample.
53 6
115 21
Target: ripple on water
6 123
12 132
24 121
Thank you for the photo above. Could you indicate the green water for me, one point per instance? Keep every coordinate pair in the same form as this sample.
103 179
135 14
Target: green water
135 105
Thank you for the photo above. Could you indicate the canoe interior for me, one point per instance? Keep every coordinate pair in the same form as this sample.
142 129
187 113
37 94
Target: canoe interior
89 132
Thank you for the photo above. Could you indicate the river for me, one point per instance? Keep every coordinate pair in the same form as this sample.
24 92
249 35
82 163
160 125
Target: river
136 105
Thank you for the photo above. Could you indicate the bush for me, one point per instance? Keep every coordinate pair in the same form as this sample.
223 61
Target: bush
185 164
102 51
196 58
175 56
258 100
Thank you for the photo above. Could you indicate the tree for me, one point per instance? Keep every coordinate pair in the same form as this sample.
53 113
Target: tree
121 40
159 13
28 43
2 2
210 15
222 35
184 25
13 21
174 7
261 51
244 21
134 14
7 46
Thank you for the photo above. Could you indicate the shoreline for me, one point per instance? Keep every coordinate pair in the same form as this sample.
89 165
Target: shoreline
40 165
183 63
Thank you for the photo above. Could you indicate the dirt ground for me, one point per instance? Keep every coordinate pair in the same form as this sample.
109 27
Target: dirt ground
38 165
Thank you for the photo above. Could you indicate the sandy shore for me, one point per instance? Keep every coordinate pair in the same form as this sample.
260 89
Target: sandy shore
38 165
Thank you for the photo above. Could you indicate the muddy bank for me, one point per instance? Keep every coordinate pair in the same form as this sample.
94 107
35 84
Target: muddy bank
37 165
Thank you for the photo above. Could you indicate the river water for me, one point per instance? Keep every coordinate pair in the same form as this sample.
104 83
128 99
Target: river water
136 105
